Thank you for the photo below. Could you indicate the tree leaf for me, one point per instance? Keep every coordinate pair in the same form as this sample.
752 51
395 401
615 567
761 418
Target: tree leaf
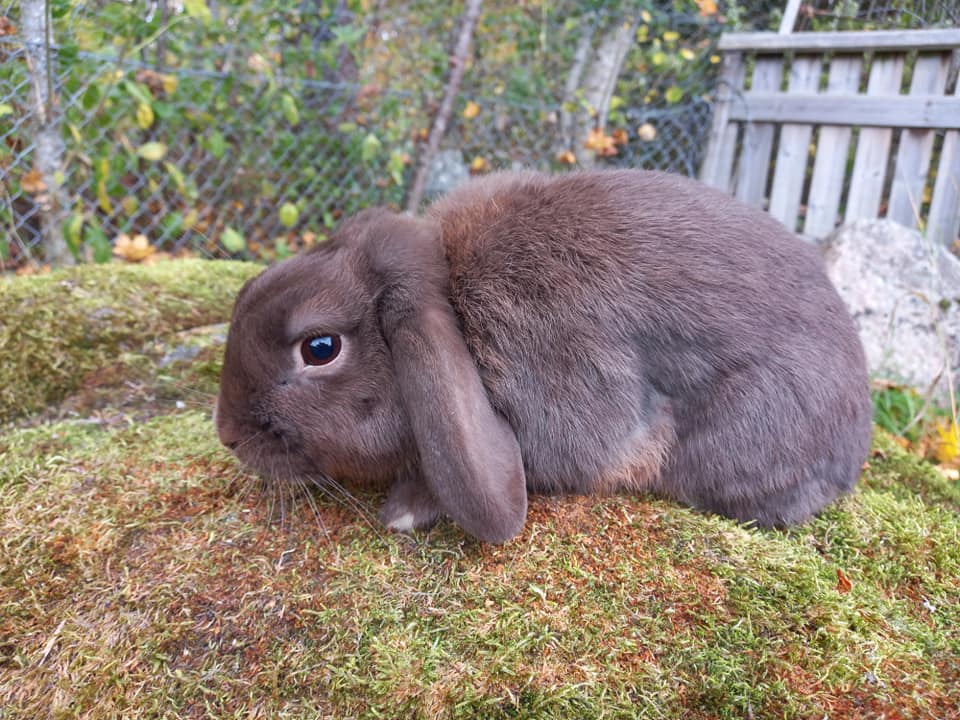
94 237
103 197
6 109
138 91
370 147
471 110
289 108
198 9
133 249
289 214
232 240
152 151
144 115
673 94
395 166
32 182
218 146
177 176
72 232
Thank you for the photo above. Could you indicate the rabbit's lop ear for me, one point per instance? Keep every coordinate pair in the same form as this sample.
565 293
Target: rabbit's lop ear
469 456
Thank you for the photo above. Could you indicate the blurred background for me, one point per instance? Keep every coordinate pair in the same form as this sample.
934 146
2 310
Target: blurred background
248 129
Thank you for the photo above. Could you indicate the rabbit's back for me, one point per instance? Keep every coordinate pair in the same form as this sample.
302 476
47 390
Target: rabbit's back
639 329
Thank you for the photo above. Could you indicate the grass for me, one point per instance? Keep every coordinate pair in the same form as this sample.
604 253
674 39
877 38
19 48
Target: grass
137 579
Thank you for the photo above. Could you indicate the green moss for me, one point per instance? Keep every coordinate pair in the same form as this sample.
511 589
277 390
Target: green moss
139 578
61 326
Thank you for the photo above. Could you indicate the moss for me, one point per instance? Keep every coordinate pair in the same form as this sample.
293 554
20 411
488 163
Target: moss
139 578
59 327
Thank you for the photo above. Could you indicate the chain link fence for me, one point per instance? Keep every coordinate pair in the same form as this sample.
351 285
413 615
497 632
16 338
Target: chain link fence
246 129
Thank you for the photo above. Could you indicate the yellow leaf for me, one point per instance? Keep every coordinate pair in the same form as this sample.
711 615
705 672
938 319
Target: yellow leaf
152 151
198 9
647 132
567 158
103 199
133 250
671 36
714 59
646 16
190 219
144 116
471 110
687 54
129 205
948 448
169 83
479 165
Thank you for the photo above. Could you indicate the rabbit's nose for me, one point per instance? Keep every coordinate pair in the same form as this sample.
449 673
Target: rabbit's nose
229 436
229 433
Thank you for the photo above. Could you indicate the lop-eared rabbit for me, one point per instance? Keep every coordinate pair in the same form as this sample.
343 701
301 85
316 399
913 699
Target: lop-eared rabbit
584 333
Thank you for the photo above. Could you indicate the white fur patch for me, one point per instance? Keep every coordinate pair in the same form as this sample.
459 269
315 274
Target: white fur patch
404 523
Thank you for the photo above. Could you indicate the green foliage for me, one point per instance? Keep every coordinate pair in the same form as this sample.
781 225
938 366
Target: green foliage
218 114
903 412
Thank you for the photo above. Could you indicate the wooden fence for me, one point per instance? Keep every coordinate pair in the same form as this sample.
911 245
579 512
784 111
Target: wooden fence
863 128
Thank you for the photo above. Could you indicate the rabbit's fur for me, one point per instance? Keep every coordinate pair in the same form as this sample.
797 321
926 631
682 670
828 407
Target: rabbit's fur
590 332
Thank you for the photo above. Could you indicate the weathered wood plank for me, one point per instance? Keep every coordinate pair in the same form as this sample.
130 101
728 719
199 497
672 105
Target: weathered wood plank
843 41
943 221
873 146
717 167
793 149
903 111
830 164
916 145
789 17
754 162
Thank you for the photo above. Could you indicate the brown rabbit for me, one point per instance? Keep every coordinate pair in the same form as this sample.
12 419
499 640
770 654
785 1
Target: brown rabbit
590 332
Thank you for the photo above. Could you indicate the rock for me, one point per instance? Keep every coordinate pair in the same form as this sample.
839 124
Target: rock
447 171
904 294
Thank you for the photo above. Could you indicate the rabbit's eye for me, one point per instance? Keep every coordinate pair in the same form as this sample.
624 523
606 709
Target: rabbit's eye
320 350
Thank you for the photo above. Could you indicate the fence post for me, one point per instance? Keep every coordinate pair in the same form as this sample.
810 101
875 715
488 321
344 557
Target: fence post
48 145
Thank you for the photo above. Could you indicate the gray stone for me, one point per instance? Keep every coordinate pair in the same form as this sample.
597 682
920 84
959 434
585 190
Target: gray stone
447 171
904 294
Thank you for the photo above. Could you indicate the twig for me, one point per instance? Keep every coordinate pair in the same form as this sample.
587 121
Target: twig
457 65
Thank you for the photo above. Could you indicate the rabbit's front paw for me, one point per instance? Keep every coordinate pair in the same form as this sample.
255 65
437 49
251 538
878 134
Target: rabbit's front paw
409 505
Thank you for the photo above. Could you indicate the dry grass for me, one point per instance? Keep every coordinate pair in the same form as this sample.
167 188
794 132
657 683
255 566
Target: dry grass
138 580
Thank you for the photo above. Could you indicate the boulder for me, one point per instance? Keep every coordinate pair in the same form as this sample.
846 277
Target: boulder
447 171
904 294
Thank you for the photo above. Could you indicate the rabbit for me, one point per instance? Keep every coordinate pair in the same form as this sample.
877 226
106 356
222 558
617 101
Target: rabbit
591 332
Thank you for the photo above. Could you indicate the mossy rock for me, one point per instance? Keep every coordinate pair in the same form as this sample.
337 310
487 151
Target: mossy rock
139 578
61 326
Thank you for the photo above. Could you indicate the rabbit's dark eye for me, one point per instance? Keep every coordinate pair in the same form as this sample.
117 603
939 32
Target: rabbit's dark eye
320 350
